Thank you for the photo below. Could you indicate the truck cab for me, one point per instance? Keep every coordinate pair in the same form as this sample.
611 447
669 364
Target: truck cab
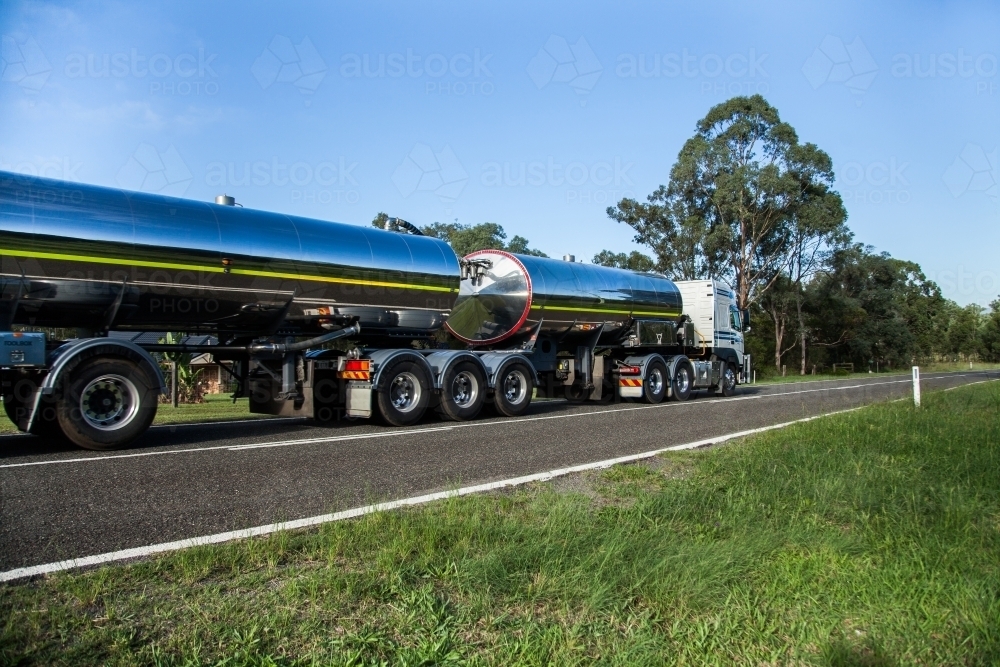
719 324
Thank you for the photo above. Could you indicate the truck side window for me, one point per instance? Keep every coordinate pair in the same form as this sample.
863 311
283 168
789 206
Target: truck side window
734 319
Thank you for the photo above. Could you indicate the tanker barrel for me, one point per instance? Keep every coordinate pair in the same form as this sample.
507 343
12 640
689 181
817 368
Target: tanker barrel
158 263
503 295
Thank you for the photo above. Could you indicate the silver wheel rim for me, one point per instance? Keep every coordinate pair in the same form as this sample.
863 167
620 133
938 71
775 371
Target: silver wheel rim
655 382
404 392
730 379
109 402
464 389
515 386
683 381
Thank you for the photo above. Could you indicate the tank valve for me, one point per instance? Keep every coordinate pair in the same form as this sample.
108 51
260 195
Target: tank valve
474 269
225 200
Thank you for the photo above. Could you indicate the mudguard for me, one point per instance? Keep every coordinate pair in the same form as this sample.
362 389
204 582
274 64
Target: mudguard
68 356
441 360
381 358
496 362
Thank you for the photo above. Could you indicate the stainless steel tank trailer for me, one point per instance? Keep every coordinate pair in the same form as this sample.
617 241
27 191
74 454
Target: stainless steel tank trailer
278 290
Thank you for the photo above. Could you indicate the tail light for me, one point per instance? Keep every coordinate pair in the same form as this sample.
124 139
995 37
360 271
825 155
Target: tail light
354 369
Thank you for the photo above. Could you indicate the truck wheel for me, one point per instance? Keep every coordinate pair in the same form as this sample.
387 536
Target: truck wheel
682 382
512 393
404 396
727 384
107 404
654 385
463 392
576 393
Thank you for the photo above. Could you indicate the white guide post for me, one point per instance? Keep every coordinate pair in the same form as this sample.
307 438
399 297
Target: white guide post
916 386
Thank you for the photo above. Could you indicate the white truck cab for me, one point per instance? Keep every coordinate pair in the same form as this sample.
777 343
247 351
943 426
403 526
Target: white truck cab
718 324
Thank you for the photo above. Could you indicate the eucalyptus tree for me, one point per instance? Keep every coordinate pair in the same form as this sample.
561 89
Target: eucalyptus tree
740 191
464 239
634 261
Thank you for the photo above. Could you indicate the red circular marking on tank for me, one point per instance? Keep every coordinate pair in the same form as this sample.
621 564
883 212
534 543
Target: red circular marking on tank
527 306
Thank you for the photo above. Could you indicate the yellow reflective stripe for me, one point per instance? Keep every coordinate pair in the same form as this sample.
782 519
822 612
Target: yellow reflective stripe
218 269
607 310
109 260
350 281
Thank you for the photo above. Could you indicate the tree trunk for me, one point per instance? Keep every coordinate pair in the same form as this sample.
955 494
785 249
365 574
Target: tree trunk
802 333
779 335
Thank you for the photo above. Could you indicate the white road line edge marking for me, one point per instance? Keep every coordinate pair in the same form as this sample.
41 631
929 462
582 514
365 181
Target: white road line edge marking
969 384
138 552
473 424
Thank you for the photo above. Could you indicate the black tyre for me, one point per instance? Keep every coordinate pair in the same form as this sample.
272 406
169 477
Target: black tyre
576 393
405 393
512 393
682 382
656 382
727 384
463 391
107 404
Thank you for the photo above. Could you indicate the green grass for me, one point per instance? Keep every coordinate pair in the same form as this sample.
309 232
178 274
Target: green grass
935 367
217 407
868 538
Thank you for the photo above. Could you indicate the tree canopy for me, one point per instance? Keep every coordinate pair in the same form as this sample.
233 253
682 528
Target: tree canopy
871 309
634 261
742 190
465 239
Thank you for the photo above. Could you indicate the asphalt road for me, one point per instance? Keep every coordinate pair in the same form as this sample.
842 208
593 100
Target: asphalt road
58 502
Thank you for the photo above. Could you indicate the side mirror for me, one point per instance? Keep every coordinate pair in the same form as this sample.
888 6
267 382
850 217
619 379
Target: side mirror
745 316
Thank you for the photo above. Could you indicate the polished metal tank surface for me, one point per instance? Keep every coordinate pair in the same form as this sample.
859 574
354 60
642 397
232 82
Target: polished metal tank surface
74 255
516 292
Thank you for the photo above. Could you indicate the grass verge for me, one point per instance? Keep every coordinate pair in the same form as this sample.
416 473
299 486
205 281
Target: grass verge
868 538
217 407
768 376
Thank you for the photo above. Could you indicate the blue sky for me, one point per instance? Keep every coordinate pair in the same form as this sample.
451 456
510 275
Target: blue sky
534 117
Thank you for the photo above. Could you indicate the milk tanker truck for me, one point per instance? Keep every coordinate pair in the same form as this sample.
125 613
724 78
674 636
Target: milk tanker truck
323 320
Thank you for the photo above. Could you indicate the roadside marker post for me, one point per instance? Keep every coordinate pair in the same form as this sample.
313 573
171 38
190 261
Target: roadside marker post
916 386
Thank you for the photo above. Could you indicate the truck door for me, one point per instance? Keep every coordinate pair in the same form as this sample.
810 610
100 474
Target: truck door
736 327
723 330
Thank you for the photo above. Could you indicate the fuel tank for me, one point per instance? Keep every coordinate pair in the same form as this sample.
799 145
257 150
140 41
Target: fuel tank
74 255
516 292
